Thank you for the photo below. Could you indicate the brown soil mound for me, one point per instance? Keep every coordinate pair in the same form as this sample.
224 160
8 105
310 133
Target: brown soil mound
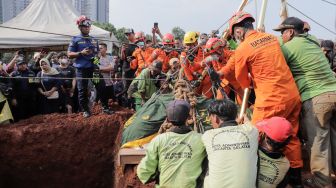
60 150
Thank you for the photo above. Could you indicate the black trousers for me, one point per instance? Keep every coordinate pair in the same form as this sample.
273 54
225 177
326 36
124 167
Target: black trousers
82 85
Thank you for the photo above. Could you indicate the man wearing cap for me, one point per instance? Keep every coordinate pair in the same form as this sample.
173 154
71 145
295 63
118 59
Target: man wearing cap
174 157
232 149
24 91
143 87
259 54
84 48
275 133
317 86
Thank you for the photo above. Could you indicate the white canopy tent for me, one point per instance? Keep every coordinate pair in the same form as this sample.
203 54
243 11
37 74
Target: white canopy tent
48 16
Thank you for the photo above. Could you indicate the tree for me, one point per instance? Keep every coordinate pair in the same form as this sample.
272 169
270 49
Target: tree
118 33
178 33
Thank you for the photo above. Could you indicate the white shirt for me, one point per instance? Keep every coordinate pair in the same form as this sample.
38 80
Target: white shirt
232 155
106 62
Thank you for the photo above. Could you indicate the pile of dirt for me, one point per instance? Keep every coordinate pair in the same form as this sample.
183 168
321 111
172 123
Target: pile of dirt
60 150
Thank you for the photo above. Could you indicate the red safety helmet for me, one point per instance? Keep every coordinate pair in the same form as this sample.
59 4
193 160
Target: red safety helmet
239 17
139 36
212 45
168 39
84 21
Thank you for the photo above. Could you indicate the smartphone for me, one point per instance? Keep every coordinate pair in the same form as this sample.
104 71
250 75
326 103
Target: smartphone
156 25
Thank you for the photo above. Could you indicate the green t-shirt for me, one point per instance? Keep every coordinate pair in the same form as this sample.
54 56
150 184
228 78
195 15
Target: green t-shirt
145 84
309 66
271 171
177 158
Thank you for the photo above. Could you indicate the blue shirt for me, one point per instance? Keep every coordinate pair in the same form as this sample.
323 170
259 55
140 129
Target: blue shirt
79 43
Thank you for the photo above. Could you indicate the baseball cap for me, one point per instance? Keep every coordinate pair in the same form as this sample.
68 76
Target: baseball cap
129 30
178 111
276 128
290 23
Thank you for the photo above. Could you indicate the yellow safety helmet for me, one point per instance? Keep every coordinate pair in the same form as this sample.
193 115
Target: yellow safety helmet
190 37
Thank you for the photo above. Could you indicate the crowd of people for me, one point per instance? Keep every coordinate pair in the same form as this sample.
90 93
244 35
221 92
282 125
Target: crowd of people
292 76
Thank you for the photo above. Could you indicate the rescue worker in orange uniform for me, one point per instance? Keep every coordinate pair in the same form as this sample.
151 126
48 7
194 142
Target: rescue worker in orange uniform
191 62
141 54
259 54
217 56
165 54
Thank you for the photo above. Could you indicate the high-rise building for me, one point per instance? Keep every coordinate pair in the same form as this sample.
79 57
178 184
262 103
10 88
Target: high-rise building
103 11
1 19
97 10
11 8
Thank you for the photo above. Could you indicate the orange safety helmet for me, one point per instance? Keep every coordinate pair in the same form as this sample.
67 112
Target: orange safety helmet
139 36
168 39
239 17
83 21
212 45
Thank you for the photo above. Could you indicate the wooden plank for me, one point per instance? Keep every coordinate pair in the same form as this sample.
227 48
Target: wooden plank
130 156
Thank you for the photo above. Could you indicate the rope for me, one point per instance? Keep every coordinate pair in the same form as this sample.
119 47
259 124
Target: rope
59 34
77 78
333 32
329 2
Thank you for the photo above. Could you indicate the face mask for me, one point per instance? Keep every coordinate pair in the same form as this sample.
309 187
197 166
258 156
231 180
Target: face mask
141 44
64 61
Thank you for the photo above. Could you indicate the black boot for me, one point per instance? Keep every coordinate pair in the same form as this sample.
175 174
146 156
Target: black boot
294 177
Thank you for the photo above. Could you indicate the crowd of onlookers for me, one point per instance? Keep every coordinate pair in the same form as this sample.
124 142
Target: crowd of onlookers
46 83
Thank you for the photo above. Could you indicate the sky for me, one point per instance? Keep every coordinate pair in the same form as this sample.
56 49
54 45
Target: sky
207 15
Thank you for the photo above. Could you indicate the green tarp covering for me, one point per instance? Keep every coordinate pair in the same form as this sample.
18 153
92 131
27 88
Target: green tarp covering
148 119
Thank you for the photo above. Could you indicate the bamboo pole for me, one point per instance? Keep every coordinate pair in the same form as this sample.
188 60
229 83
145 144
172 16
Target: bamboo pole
283 10
260 26
240 8
244 103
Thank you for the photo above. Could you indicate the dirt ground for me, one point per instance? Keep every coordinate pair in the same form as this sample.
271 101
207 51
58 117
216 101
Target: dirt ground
61 150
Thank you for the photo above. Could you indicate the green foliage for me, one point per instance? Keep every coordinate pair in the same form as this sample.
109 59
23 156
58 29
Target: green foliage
178 33
118 33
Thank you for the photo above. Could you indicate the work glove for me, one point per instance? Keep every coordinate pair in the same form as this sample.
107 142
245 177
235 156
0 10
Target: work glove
96 78
213 75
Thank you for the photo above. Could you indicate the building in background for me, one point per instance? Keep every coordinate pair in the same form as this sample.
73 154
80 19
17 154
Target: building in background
1 19
11 8
97 10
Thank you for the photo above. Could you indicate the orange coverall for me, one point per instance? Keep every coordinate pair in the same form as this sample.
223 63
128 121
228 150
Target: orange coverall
141 60
228 77
189 70
276 92
162 56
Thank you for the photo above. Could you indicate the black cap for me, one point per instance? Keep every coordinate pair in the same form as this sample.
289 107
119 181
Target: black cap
290 23
178 112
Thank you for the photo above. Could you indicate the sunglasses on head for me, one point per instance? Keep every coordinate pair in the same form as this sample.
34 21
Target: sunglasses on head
86 23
